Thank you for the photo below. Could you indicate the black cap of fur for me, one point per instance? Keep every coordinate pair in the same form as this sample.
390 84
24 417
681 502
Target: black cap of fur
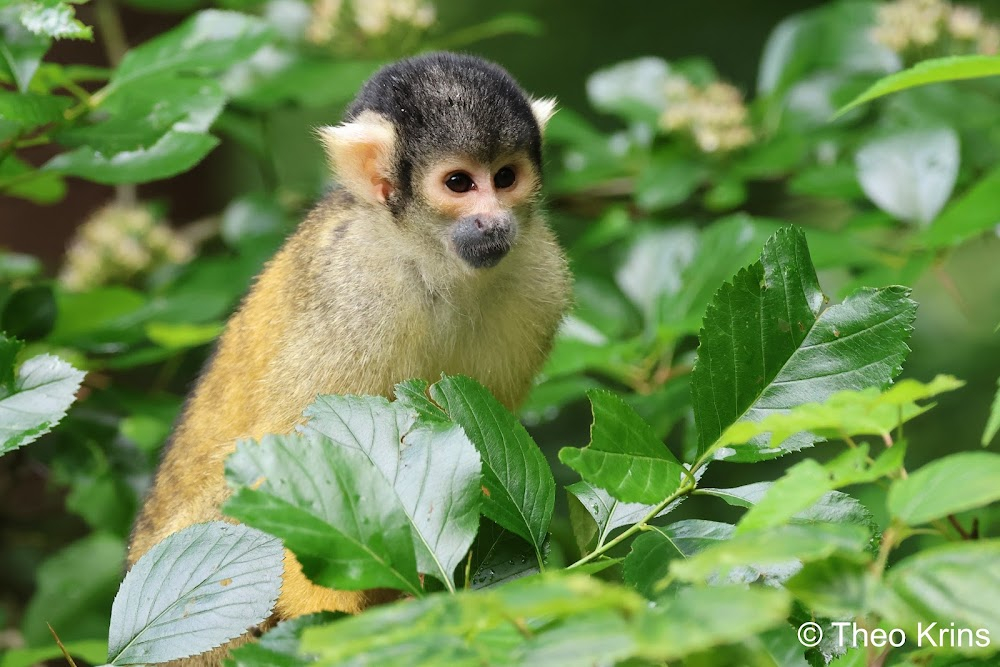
447 103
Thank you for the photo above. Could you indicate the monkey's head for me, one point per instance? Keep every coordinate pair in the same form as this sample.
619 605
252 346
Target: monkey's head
450 145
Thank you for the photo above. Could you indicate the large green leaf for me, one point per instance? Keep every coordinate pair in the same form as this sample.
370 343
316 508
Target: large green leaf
518 488
331 507
780 545
836 587
952 484
910 173
210 41
624 457
194 591
929 71
497 627
946 588
433 470
36 398
139 116
172 154
700 618
767 346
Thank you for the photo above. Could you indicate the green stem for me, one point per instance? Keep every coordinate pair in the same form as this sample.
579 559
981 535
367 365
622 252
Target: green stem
682 490
109 23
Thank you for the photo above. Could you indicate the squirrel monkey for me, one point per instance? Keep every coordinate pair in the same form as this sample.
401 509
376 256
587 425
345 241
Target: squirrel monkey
430 256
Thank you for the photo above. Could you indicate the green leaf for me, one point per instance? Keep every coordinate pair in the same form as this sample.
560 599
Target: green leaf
952 484
50 18
21 51
936 70
91 650
767 345
607 512
648 562
37 398
39 187
104 314
951 586
499 556
471 627
279 647
993 423
518 488
330 506
668 180
835 587
848 413
433 469
138 117
77 606
831 37
29 313
780 545
974 212
174 153
624 457
208 42
28 110
194 591
910 173
700 618
182 336
652 268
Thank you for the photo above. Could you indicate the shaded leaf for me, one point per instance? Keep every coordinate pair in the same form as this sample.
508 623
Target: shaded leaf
949 485
195 590
945 588
835 587
773 546
974 212
700 618
21 51
29 110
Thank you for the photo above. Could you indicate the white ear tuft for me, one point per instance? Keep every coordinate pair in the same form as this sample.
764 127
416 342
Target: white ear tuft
360 153
543 109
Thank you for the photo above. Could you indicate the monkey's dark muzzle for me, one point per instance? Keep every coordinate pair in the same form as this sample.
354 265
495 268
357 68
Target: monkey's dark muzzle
483 240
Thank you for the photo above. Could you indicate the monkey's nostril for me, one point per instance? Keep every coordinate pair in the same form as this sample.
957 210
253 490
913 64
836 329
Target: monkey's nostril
479 224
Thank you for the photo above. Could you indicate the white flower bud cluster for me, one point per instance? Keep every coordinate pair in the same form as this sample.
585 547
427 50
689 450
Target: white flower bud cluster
714 115
936 26
118 243
373 18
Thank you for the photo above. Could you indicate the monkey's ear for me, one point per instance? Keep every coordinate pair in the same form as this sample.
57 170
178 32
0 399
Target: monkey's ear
543 109
360 153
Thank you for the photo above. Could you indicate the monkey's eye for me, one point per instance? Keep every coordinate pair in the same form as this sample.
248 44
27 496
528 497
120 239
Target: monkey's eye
504 178
459 182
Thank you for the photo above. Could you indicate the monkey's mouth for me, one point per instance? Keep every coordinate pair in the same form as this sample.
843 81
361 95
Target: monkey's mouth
483 241
484 255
